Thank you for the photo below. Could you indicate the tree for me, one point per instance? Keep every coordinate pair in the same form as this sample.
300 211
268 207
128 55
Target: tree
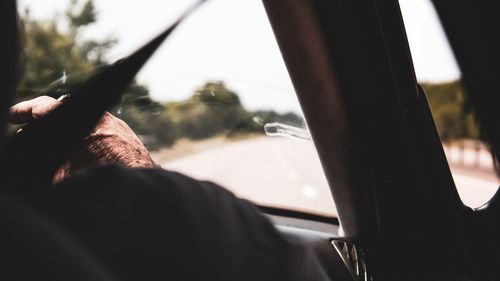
213 109
453 119
52 51
81 17
55 50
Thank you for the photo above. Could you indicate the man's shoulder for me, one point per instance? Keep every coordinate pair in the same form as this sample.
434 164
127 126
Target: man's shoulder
155 217
116 179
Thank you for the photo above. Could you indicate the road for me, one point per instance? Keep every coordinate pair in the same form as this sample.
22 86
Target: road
473 173
287 173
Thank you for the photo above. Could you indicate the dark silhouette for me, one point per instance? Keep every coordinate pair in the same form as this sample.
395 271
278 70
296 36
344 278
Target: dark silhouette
115 223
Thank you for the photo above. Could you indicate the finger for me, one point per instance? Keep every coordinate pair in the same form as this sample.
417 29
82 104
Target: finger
27 111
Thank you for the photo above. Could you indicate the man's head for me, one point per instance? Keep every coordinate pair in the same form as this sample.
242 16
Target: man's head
9 54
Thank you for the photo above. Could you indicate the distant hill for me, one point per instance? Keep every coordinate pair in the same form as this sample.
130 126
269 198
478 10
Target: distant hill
212 110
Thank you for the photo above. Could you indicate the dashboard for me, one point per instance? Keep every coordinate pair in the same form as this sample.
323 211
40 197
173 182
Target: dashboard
320 237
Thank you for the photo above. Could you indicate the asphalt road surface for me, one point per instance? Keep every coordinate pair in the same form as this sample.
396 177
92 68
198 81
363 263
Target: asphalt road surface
286 173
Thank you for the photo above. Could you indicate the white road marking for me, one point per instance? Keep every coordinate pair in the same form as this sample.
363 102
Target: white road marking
309 192
475 183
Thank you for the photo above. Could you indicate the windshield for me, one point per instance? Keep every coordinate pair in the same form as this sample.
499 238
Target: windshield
215 103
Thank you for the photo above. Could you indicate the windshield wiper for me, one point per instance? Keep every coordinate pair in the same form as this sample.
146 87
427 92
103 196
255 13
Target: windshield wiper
276 129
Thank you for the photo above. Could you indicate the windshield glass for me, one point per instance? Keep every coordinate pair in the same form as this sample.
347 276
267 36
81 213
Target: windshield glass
215 103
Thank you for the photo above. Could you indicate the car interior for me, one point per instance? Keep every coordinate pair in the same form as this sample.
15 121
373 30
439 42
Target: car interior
351 65
400 216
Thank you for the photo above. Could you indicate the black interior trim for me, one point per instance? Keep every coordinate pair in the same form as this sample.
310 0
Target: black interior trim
298 215
352 71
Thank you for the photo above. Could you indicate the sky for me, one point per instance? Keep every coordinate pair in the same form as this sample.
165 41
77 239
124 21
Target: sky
431 52
231 40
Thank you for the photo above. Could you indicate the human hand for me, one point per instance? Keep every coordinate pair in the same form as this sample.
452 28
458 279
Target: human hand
110 142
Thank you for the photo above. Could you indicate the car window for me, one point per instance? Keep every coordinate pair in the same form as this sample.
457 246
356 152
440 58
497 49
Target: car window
203 104
437 71
215 103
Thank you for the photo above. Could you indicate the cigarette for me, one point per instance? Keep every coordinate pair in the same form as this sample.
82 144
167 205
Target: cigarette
64 97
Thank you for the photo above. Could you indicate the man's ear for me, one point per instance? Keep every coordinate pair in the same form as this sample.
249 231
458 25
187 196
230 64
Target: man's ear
9 56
